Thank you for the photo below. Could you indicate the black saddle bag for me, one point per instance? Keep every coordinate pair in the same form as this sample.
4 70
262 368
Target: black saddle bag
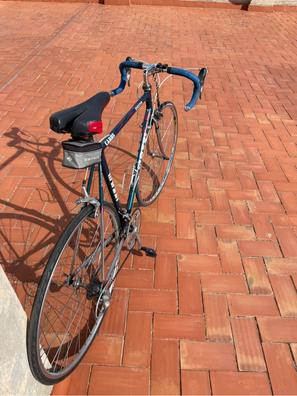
80 154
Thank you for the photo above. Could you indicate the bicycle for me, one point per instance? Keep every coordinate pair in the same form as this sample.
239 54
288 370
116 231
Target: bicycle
76 286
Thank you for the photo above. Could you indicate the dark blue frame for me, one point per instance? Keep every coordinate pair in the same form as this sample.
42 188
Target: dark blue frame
103 167
125 70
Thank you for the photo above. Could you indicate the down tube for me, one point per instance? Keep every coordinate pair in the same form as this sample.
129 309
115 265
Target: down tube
110 184
137 166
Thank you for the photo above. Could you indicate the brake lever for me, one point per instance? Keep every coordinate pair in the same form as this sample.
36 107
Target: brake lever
202 74
129 77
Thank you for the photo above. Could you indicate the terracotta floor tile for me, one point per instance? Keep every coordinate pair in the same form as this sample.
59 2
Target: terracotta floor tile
285 294
118 381
230 257
213 217
225 283
135 279
137 349
185 225
231 232
281 266
76 384
259 248
207 356
218 326
199 263
165 368
206 239
153 301
195 383
287 241
173 245
115 319
189 296
257 276
252 305
105 350
278 329
281 369
179 326
232 383
166 272
247 345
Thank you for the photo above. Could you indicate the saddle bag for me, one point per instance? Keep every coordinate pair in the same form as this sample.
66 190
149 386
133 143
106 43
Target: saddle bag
80 154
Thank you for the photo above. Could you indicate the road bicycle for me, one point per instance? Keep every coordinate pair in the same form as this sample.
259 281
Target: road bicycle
76 286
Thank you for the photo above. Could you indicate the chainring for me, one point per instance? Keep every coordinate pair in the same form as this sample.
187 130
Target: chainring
133 229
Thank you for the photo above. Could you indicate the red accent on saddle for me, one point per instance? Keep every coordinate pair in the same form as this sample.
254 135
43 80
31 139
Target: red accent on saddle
95 126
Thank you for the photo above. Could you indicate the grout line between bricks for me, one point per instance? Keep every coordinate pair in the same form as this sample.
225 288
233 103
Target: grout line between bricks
210 383
180 369
264 357
89 378
125 329
151 353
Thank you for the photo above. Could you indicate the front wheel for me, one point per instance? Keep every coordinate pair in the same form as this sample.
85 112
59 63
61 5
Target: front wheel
158 155
73 294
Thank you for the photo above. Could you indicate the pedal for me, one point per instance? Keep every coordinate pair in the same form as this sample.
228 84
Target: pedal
149 251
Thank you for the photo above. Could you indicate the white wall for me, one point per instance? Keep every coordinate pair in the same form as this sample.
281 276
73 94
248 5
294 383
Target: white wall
15 374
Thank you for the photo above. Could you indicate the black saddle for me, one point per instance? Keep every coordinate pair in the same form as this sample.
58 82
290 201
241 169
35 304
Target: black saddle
76 119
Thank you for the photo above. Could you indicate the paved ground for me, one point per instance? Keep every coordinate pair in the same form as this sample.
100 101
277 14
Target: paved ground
217 311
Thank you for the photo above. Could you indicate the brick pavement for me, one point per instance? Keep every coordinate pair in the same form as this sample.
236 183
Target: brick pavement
216 312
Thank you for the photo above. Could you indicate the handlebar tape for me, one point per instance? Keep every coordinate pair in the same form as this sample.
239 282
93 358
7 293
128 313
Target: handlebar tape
192 77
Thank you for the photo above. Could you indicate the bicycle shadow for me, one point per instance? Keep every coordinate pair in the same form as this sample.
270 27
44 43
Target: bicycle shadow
28 232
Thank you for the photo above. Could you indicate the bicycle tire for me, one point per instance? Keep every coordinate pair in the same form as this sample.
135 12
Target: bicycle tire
150 184
44 370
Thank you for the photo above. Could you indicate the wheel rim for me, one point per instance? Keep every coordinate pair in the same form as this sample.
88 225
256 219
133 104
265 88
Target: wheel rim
161 143
68 321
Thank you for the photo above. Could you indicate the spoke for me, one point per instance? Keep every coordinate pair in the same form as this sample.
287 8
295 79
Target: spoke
94 234
76 248
59 350
77 327
68 319
58 316
168 127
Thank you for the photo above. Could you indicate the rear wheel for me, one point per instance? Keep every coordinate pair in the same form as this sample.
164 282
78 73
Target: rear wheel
158 155
73 294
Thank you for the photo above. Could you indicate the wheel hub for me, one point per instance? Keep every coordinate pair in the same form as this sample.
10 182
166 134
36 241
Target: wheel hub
94 288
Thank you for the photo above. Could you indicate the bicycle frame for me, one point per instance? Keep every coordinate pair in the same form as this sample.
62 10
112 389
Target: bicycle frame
103 167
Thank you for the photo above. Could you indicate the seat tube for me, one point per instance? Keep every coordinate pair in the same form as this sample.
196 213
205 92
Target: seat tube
144 136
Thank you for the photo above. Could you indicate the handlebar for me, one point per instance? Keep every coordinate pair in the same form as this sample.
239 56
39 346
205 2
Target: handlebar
129 64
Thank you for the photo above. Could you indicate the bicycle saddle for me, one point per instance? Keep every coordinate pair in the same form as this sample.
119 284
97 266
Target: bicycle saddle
76 119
